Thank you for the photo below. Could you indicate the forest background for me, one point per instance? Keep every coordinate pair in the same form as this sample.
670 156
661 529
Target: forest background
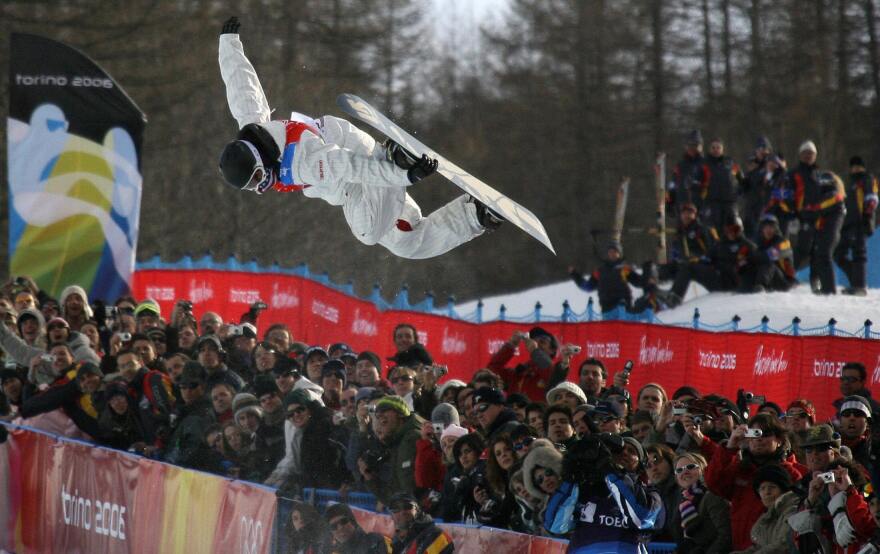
550 101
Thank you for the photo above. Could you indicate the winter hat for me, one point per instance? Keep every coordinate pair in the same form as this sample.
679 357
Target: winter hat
554 393
615 245
517 400
808 146
413 356
7 374
315 350
30 313
541 453
115 389
208 339
343 349
76 289
806 406
193 374
856 161
775 158
632 441
536 332
395 403
606 408
774 474
156 334
335 368
441 390
371 357
243 400
364 393
57 321
446 414
694 137
855 402
285 365
264 385
488 395
773 406
248 331
454 430
148 307
821 434
297 396
763 142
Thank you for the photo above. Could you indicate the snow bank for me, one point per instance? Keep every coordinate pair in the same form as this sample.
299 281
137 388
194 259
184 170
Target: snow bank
715 308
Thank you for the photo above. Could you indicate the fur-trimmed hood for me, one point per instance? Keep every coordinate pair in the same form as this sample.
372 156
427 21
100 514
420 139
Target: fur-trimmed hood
542 453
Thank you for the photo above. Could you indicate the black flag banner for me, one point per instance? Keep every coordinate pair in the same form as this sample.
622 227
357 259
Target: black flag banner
74 170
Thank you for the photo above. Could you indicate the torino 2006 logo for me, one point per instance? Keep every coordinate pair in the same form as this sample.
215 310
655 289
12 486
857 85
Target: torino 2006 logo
251 535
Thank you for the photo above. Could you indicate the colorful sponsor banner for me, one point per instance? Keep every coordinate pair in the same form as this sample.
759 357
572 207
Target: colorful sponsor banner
67 496
74 139
780 367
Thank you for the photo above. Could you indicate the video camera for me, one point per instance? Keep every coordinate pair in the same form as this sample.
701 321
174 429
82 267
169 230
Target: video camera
591 458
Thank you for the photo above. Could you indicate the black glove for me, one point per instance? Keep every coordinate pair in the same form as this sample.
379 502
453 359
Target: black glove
230 27
398 155
868 224
422 169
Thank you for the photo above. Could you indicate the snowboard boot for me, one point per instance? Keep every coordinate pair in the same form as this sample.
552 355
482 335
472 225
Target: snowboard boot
855 291
488 218
398 155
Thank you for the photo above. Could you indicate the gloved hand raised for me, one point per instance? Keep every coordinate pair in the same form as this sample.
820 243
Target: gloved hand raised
230 27
422 168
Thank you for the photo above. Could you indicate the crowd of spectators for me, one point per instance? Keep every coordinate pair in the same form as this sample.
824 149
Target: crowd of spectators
540 447
748 229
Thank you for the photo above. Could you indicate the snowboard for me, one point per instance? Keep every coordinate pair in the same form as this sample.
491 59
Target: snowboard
620 210
498 202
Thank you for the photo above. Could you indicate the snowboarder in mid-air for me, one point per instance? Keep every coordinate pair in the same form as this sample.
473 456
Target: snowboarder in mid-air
331 159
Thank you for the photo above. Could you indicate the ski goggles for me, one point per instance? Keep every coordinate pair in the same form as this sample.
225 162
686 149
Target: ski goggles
261 178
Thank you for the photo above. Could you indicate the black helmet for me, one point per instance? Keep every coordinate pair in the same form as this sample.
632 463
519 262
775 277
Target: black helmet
238 161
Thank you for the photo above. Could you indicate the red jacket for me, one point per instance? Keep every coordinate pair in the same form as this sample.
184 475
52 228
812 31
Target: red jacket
529 378
429 468
729 478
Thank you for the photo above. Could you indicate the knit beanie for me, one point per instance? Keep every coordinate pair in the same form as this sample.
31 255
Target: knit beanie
446 414
554 393
395 403
773 473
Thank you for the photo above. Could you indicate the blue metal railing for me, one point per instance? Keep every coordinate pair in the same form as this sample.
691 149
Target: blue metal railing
401 302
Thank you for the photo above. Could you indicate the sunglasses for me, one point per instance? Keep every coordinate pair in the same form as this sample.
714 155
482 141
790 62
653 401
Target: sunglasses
797 415
688 467
341 522
817 448
547 473
525 443
401 378
480 408
296 411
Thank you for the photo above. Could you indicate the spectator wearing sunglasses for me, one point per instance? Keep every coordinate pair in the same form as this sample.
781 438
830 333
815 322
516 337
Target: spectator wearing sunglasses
608 417
193 415
821 446
661 475
855 416
700 520
798 419
492 415
542 470
522 438
853 377
347 535
313 449
732 465
415 531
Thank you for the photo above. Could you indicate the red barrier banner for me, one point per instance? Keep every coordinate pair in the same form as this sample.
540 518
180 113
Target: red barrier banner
64 496
471 539
780 367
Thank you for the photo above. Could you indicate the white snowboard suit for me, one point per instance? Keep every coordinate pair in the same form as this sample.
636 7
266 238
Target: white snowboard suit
335 161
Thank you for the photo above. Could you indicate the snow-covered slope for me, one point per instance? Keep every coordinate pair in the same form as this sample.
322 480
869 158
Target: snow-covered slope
715 308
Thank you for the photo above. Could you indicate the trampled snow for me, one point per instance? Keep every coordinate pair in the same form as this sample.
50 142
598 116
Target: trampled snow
715 308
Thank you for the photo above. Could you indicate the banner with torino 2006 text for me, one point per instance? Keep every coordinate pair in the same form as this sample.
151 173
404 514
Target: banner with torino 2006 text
74 140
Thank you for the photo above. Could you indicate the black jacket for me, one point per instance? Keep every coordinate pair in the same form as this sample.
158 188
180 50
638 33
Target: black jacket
323 452
724 179
422 537
690 180
611 280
